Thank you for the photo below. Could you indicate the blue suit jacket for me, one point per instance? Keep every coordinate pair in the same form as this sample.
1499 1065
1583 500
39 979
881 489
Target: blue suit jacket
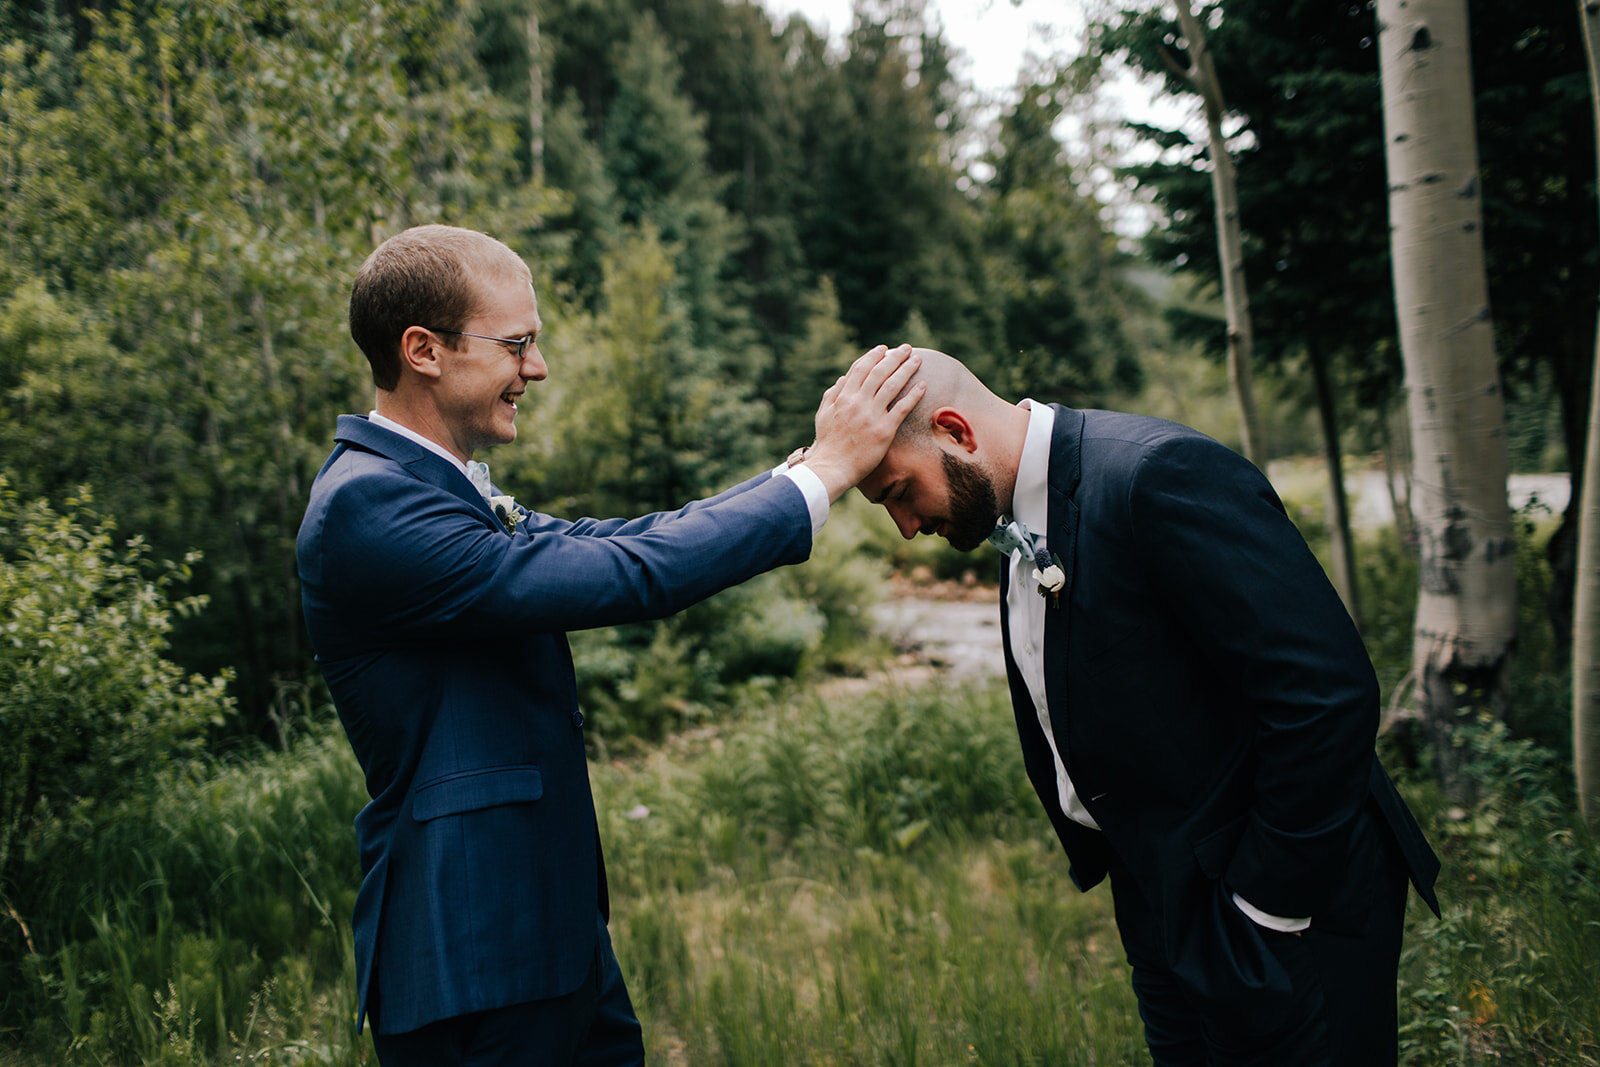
1215 705
442 639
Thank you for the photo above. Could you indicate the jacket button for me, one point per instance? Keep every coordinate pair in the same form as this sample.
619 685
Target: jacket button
577 720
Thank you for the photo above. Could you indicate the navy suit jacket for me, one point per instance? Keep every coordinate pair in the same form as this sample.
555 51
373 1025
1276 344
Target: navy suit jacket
442 639
1214 702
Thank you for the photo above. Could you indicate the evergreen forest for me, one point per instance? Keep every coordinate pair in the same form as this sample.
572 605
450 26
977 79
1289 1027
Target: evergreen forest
821 843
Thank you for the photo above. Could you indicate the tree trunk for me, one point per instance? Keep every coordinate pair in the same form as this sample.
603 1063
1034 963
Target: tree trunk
1202 74
1397 473
1341 546
1586 613
535 95
1466 608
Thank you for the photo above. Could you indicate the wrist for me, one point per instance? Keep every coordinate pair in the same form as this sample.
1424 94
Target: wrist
835 477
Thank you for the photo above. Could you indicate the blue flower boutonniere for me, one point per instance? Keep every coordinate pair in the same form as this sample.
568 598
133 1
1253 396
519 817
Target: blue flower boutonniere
508 511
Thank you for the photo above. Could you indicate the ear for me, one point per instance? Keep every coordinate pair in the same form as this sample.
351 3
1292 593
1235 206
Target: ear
949 424
419 352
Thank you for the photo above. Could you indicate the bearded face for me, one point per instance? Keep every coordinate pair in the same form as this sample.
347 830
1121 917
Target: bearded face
973 503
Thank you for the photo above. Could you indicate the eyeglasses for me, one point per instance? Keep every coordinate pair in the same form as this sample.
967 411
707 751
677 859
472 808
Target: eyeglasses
520 344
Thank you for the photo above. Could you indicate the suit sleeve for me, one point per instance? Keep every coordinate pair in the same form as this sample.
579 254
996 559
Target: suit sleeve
424 563
629 527
1255 600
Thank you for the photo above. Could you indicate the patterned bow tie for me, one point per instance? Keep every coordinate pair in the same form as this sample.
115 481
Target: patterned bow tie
478 475
1009 536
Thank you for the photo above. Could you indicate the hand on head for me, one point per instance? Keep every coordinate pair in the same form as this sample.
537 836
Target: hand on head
859 416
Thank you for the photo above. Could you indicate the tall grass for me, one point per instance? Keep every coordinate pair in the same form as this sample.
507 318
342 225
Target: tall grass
866 881
860 876
211 917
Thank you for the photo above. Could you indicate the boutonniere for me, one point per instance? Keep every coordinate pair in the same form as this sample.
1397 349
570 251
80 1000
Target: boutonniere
508 511
1051 579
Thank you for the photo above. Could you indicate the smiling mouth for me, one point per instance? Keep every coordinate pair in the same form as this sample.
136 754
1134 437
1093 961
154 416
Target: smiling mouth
510 398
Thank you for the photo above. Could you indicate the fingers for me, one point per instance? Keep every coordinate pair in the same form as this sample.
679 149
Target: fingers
890 362
905 366
863 364
902 407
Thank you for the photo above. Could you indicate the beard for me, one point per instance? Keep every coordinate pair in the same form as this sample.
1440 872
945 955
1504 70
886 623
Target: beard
973 505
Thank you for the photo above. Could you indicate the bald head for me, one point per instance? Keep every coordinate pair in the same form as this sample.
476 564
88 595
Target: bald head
952 466
950 385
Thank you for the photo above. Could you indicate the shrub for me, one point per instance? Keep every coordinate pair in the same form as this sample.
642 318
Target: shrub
90 710
640 682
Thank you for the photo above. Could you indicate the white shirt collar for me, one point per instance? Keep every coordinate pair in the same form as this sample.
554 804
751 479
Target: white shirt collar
406 431
1030 498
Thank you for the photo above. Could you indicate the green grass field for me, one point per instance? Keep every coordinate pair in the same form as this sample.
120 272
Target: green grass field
849 880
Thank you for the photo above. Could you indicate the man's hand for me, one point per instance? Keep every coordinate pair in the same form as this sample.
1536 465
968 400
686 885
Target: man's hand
859 417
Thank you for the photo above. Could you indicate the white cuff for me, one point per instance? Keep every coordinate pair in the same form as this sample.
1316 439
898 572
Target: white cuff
811 487
1271 922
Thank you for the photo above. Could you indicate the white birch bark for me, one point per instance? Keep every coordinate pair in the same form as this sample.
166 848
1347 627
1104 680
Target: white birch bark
1466 608
1586 610
1202 74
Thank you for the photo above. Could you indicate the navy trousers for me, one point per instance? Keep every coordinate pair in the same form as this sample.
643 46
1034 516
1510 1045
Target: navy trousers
1342 1011
593 1026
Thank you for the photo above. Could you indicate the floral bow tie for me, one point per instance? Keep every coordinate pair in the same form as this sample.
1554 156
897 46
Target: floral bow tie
505 508
1010 536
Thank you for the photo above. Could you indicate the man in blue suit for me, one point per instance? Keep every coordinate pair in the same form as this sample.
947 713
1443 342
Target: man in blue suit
1197 714
438 609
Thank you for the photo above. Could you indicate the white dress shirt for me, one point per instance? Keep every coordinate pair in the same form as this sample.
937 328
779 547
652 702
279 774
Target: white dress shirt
803 477
1025 612
1025 608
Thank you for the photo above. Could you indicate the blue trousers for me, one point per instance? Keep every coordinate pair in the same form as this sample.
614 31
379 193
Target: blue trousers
593 1026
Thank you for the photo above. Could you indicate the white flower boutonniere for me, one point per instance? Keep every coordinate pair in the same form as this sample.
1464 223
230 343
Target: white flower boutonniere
508 511
1052 579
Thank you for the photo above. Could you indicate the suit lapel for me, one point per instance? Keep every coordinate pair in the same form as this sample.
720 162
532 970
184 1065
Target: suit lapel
1066 467
357 430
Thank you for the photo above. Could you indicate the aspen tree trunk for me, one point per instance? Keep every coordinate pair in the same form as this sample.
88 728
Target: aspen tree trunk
1466 609
1586 611
1202 74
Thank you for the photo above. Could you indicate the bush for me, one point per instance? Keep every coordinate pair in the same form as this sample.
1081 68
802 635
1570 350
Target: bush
211 914
91 712
876 771
640 682
1507 975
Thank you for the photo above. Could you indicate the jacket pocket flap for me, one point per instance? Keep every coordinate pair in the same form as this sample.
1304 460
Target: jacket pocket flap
471 790
1214 851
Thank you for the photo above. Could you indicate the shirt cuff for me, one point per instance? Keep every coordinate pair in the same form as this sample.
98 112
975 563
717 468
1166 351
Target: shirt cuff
811 488
1271 922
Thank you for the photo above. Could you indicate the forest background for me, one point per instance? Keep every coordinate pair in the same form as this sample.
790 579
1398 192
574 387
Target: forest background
832 865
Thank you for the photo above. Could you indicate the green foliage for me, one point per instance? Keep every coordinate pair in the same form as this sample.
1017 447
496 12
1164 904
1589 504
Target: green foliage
1056 270
91 711
187 193
870 771
210 916
742 646
639 418
1301 83
856 875
819 358
1506 975
728 213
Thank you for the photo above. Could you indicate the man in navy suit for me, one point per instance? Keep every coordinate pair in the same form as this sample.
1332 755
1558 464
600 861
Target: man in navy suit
1197 714
438 609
